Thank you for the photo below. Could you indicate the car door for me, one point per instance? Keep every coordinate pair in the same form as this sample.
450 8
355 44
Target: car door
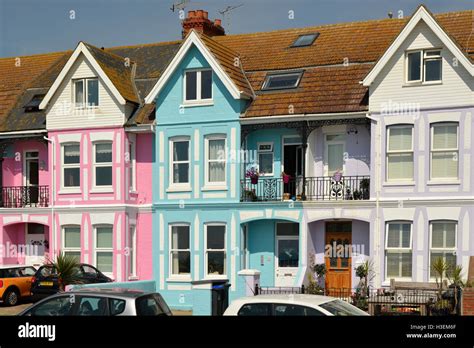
25 275
255 309
56 306
89 274
288 309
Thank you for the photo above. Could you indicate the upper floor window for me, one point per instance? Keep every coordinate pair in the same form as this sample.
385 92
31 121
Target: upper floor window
444 151
398 250
179 161
424 66
216 159
400 153
103 163
198 85
86 92
71 157
265 158
335 148
282 81
443 245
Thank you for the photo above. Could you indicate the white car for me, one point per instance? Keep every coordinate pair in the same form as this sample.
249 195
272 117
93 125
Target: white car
292 305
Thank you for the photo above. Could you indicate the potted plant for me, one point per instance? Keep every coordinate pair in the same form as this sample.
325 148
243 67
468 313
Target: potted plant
364 186
253 174
286 177
442 306
67 268
250 195
320 270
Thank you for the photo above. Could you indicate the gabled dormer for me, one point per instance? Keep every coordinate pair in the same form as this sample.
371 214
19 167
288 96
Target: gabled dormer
424 65
94 87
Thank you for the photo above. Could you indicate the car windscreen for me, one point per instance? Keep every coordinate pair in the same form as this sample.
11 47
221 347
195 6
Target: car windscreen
148 305
341 308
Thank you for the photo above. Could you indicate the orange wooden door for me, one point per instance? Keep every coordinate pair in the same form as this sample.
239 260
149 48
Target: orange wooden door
338 258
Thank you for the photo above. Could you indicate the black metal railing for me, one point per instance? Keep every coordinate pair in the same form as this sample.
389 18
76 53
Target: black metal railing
316 188
24 196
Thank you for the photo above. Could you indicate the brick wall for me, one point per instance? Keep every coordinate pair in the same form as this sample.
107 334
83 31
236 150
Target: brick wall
468 301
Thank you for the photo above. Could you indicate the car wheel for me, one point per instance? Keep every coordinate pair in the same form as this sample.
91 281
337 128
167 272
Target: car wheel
11 297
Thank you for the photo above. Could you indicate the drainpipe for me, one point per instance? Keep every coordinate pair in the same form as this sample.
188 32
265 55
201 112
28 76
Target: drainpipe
377 173
53 195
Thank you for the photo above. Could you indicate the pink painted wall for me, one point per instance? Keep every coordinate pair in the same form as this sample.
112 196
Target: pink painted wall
144 148
13 165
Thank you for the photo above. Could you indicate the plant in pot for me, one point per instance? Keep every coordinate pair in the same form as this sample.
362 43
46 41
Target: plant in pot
253 175
286 177
365 273
320 270
457 283
364 187
67 268
250 195
442 306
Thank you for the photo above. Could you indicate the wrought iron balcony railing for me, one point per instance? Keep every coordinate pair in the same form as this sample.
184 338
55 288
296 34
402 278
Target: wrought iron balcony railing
317 188
24 196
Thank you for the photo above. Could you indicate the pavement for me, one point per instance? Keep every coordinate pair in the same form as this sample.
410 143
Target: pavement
4 310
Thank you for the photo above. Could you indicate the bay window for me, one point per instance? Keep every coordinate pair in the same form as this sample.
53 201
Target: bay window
180 252
215 249
103 164
443 244
72 241
400 153
179 161
215 160
71 170
444 151
398 250
104 248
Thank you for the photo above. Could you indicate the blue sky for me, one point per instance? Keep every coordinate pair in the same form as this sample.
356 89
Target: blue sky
36 26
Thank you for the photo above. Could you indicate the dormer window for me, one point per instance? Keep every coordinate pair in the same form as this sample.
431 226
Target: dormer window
424 66
282 81
198 86
86 93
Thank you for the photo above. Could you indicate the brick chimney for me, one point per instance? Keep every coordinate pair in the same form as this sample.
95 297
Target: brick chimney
198 20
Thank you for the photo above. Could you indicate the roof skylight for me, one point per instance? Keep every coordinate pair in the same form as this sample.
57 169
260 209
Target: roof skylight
282 81
305 40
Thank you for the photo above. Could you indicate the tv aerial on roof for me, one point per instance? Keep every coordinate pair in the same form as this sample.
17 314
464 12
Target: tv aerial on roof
225 13
181 5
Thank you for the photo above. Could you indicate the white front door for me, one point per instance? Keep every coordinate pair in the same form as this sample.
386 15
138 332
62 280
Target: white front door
287 254
35 242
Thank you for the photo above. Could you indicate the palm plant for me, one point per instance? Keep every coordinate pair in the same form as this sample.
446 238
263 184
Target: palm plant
67 268
455 277
439 267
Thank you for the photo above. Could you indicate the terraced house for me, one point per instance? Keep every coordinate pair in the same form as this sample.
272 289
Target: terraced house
251 156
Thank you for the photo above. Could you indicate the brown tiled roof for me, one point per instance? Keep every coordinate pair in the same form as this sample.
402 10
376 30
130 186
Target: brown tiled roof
230 62
118 70
145 114
326 86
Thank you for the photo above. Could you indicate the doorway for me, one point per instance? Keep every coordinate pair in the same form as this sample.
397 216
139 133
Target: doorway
287 253
338 256
292 166
32 177
36 244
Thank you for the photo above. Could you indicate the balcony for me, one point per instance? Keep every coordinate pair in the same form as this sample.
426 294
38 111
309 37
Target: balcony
24 196
324 188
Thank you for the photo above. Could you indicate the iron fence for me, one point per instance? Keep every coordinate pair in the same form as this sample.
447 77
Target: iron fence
24 196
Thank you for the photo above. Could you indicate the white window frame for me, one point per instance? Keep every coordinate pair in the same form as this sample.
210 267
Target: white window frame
63 243
172 184
132 251
453 249
272 152
98 250
96 165
206 264
183 276
85 93
454 150
132 184
70 165
424 59
198 99
408 249
388 152
326 151
208 138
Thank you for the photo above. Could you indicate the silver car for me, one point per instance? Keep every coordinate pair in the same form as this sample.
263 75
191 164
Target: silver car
100 302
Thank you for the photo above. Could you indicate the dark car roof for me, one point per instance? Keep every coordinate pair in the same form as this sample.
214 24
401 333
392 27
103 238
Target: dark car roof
131 293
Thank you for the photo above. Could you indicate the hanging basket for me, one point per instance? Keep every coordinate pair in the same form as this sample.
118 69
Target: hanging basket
286 179
254 180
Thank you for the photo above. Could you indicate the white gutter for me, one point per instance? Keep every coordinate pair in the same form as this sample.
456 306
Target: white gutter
302 117
140 129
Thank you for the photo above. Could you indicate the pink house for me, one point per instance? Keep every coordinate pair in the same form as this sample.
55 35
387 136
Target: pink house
80 181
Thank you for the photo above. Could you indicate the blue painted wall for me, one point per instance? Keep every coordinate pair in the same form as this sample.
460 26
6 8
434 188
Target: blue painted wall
262 250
